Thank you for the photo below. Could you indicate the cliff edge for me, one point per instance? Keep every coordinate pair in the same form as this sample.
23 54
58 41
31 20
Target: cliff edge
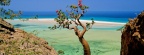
16 41
132 39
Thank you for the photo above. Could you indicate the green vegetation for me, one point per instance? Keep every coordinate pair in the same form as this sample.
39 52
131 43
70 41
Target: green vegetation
65 21
5 2
61 52
8 14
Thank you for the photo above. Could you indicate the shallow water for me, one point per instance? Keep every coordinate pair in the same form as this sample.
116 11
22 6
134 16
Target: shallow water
102 41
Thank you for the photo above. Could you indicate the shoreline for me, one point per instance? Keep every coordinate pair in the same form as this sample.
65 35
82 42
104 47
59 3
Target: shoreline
44 19
50 21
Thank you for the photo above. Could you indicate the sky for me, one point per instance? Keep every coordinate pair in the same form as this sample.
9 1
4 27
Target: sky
94 5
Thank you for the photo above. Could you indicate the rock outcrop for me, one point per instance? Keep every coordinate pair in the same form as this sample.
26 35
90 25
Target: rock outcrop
5 26
16 41
132 39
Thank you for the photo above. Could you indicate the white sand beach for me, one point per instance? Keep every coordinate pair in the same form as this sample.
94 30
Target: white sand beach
51 21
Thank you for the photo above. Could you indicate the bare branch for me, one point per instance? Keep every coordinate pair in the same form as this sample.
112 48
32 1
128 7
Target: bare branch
84 27
89 27
77 32
75 22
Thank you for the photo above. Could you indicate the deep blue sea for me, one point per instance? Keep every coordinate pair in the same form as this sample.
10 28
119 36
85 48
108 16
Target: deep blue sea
109 16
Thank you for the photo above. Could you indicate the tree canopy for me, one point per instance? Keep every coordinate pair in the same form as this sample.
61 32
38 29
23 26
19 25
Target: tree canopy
71 20
64 20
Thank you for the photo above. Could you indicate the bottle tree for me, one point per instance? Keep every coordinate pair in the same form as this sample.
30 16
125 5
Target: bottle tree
72 21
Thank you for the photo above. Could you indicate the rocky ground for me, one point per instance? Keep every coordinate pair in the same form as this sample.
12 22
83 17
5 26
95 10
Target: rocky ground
16 41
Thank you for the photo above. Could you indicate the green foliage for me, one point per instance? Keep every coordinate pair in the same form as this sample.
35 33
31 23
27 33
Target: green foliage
93 22
73 7
35 32
53 28
9 14
83 7
61 52
36 17
65 20
5 2
89 25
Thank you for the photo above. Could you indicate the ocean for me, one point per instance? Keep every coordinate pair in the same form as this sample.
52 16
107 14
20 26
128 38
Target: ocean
108 16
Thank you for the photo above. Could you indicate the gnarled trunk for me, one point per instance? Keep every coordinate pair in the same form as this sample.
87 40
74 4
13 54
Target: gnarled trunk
85 46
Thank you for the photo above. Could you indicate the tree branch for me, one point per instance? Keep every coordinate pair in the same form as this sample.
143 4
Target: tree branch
77 32
75 22
84 27
90 27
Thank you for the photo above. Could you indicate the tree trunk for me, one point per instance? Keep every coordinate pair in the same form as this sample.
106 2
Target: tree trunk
85 46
